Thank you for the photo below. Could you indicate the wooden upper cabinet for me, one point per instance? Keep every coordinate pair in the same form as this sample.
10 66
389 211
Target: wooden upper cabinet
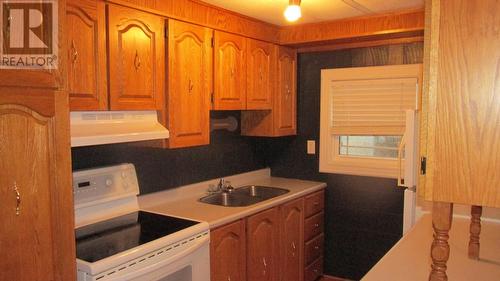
281 120
86 60
263 246
136 59
261 59
285 105
228 252
230 71
189 84
37 229
292 240
460 103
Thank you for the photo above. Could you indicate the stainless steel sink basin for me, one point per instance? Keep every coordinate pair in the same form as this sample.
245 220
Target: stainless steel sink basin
244 196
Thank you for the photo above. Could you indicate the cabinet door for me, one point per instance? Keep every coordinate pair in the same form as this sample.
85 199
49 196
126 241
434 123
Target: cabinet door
228 252
37 228
86 41
263 246
189 84
230 71
460 103
260 73
136 59
285 105
292 240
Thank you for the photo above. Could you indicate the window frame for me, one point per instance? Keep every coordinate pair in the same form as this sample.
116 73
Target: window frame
330 159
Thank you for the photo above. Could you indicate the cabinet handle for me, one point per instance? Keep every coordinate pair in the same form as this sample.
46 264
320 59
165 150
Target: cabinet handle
293 246
260 73
137 60
74 52
287 91
316 225
316 203
229 278
232 72
264 262
315 271
18 199
191 86
316 247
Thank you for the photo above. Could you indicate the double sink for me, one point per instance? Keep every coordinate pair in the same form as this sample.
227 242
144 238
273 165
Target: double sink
243 196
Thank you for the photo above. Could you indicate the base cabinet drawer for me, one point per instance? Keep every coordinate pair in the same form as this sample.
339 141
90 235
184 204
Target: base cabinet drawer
314 271
313 226
314 249
315 203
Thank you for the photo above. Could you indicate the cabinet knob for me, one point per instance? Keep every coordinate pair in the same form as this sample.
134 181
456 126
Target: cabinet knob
191 86
18 199
137 60
74 52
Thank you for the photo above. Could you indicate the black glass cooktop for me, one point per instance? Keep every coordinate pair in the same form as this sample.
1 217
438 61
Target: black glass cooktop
104 239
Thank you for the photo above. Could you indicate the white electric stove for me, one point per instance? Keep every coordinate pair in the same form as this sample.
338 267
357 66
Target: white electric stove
117 241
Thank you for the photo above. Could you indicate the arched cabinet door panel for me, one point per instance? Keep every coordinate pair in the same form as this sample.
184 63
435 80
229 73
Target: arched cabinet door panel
286 98
292 240
189 84
230 71
136 59
263 246
260 74
228 252
86 55
37 229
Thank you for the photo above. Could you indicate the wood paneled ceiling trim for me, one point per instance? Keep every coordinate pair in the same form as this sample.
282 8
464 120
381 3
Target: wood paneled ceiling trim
377 27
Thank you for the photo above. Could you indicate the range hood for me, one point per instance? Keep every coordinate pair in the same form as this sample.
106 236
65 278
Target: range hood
105 127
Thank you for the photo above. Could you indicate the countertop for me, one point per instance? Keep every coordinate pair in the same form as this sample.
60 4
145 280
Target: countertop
409 259
184 201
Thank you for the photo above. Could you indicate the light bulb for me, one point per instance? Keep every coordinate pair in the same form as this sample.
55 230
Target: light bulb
292 12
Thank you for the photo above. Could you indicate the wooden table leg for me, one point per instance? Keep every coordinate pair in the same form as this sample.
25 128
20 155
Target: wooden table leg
440 249
475 230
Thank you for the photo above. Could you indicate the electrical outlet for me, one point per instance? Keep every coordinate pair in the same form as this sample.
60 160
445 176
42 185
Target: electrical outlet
311 147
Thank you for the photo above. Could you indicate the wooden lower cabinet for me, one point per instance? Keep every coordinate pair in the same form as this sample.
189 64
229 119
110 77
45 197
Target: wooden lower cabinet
263 246
228 251
267 246
291 237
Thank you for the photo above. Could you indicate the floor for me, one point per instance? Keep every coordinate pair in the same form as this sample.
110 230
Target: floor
410 259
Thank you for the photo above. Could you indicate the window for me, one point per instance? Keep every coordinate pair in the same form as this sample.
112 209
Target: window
363 118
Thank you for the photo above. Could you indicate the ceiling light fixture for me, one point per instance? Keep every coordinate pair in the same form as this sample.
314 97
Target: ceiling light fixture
292 12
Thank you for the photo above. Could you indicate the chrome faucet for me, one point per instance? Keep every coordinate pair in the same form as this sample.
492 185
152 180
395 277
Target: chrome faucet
222 186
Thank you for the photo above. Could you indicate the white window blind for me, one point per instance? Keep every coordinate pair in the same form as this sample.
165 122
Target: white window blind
371 106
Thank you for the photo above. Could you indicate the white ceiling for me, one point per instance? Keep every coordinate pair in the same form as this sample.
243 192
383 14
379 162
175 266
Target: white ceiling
271 11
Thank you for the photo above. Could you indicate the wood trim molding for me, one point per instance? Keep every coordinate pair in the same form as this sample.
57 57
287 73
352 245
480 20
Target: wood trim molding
360 44
377 26
197 12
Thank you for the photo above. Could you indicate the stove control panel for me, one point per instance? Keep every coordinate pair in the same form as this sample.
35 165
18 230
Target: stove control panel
94 186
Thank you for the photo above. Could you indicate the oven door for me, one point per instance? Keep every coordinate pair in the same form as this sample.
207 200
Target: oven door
191 264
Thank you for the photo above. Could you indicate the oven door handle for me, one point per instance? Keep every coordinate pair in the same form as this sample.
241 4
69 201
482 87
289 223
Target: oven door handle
156 266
